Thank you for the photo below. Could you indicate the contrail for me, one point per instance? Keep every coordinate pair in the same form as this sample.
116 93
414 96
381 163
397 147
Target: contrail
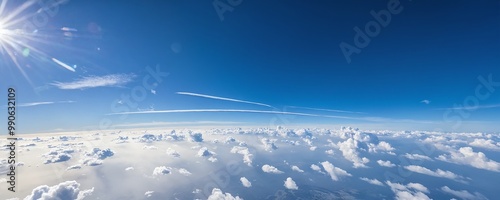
323 109
222 98
63 65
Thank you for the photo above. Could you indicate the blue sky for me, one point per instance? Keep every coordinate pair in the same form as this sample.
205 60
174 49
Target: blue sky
85 55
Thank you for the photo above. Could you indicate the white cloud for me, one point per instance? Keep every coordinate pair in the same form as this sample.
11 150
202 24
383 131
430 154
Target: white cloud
467 156
437 173
245 182
334 172
247 156
42 103
162 170
195 137
113 80
485 143
96 156
64 190
270 169
417 157
349 151
372 181
385 163
464 194
290 184
58 155
129 169
149 193
204 152
297 169
425 101
173 153
184 172
64 65
330 152
217 194
316 168
74 167
409 191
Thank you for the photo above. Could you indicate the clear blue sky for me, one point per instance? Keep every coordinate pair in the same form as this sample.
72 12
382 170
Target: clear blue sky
279 53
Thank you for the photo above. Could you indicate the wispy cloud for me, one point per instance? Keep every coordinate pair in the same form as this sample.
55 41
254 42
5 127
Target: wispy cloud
222 98
425 101
113 80
471 107
42 103
156 124
323 109
62 64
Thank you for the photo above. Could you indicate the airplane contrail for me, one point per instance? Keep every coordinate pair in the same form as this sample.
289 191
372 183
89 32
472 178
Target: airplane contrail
222 98
63 65
323 109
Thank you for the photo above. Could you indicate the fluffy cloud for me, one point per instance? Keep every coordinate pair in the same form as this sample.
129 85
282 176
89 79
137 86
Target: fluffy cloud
463 194
417 157
270 169
334 172
204 152
162 170
409 191
113 80
245 182
290 184
74 167
217 194
149 193
57 155
268 144
349 150
247 156
467 156
385 163
184 172
173 153
96 156
195 137
485 143
297 169
372 181
64 190
437 173
316 168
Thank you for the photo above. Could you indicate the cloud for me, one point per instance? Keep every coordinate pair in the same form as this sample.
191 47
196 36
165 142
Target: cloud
113 80
184 172
129 169
425 101
58 155
329 110
173 153
270 169
409 191
349 151
42 103
297 169
74 167
149 193
485 143
247 156
222 98
372 181
217 194
290 184
464 194
472 107
316 168
195 137
162 170
334 172
417 157
204 152
467 156
64 190
96 156
437 173
245 182
385 163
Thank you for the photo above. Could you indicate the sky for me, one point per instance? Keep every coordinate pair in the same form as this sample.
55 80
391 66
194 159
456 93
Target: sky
89 65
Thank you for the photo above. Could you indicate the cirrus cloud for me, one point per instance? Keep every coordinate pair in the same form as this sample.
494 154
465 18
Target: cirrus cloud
112 80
